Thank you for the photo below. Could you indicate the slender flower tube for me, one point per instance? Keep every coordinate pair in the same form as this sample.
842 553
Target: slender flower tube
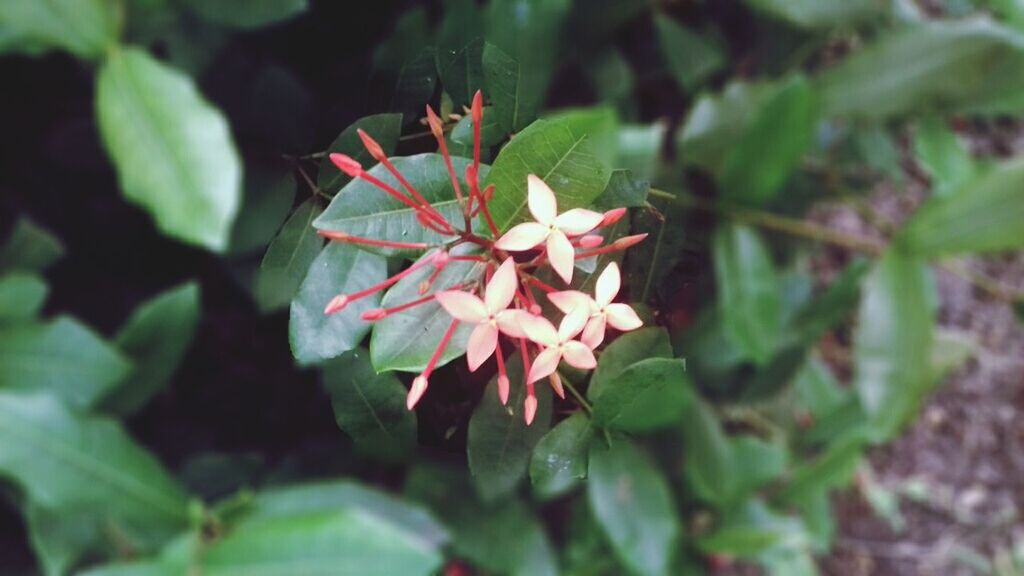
419 383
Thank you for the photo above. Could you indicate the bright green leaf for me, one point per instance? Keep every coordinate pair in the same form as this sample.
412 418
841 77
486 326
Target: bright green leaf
384 128
647 395
85 28
21 296
942 156
710 464
817 390
559 461
514 107
288 258
624 351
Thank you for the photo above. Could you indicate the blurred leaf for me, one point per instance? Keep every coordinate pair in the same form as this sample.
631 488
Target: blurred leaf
942 156
280 110
460 139
500 442
749 296
593 21
624 351
757 462
834 468
951 349
816 510
878 148
957 66
30 248
559 461
361 209
370 407
772 146
514 108
460 51
832 306
710 464
173 150
751 529
632 501
611 76
640 148
984 215
384 128
339 269
406 341
564 158
155 337
653 259
405 67
246 14
64 461
822 13
691 57
61 357
85 28
623 191
214 475
61 539
647 395
22 296
893 341
817 389
287 258
269 196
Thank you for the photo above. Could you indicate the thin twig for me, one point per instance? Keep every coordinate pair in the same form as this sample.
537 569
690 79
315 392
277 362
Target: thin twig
576 394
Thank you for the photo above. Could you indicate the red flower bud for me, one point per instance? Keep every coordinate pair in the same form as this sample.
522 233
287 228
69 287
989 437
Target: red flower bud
347 164
371 146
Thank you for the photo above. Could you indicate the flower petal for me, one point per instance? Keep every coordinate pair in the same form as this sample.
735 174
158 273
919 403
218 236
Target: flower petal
577 355
567 300
561 255
502 287
578 221
608 284
573 323
481 345
509 322
462 306
593 332
538 329
544 364
541 200
622 317
523 237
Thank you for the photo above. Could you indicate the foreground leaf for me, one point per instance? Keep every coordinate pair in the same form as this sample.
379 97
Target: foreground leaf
288 258
559 460
624 351
21 296
384 128
647 395
174 156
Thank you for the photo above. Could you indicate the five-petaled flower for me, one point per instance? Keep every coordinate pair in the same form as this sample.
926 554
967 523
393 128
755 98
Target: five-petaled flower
602 310
558 344
550 228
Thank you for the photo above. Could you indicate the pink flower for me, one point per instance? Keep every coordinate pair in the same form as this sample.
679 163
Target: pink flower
602 310
558 344
490 314
550 227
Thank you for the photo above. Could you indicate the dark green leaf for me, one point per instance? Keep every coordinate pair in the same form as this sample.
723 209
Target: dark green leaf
832 306
623 191
691 57
30 248
280 110
156 338
514 108
559 461
62 357
751 530
710 464
822 13
384 128
611 76
85 28
647 395
460 48
339 269
624 351
405 66
758 462
246 14
749 296
500 442
173 150
834 468
984 215
942 156
269 196
288 258
21 296
653 259
460 139
632 501
370 407
61 539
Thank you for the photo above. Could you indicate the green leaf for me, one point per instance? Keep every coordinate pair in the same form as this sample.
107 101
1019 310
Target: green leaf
984 215
559 461
346 541
269 196
710 464
623 352
757 462
834 468
623 191
749 296
752 530
405 67
21 296
62 357
406 341
817 390
386 129
647 395
246 14
561 156
499 442
288 258
460 139
771 146
176 558
514 107
821 13
942 156
957 66
892 345
370 407
632 501
640 148
361 209
691 57
339 269
599 124
172 149
156 338
64 461
85 28
460 48
61 539
30 248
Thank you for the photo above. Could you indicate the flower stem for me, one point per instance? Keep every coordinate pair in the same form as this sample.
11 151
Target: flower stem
576 394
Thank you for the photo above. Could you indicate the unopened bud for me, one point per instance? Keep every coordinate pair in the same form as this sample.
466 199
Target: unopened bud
591 241
471 174
371 146
423 287
436 126
556 384
489 193
529 407
503 388
419 387
478 108
612 216
347 164
375 314
441 259
337 304
535 309
628 241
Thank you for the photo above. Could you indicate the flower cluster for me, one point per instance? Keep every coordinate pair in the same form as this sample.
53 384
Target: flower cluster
503 304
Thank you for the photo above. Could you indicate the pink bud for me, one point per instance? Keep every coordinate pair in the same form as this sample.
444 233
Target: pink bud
529 409
423 286
556 385
375 314
535 309
347 164
337 304
478 108
612 216
591 241
435 123
628 241
489 193
371 146
419 387
441 259
503 387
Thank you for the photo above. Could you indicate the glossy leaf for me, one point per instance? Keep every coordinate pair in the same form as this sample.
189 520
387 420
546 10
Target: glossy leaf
175 157
513 107
559 460
370 407
21 296
338 269
821 13
384 128
155 338
624 351
710 464
647 395
500 442
30 248
623 191
632 502
288 258
460 51
85 28
691 57
942 156
61 357
246 14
